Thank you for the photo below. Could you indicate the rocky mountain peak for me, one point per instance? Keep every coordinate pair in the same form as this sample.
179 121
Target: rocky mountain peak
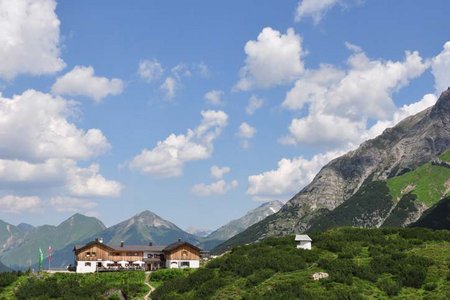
443 104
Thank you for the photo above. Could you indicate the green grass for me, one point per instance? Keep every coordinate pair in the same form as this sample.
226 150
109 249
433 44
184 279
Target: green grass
445 156
66 286
427 182
388 263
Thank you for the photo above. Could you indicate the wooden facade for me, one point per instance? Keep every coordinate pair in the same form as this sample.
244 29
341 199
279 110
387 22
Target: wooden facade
107 257
183 252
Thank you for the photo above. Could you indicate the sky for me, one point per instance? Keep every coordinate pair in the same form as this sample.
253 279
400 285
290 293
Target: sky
200 110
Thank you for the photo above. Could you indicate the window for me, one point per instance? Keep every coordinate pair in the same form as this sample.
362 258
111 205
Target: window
129 254
185 264
135 254
93 254
88 264
149 255
184 254
88 254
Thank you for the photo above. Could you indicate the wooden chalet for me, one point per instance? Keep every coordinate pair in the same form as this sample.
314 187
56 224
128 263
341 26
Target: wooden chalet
96 256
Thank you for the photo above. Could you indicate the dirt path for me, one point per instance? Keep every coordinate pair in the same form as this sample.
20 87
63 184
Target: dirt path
147 276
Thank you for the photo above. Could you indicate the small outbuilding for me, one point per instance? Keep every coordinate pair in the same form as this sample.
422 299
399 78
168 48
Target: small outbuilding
303 241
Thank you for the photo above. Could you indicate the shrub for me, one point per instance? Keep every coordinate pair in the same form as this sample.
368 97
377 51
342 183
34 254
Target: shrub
389 286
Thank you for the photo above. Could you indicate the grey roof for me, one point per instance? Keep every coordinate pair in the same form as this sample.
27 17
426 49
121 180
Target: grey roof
302 238
175 245
131 248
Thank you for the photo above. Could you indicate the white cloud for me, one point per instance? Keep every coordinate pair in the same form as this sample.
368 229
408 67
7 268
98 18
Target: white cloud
70 204
181 70
15 204
62 175
88 182
440 67
202 69
29 38
169 87
246 131
220 187
254 103
342 101
288 178
214 97
273 59
315 9
45 131
150 70
321 128
45 153
402 113
168 157
218 173
81 81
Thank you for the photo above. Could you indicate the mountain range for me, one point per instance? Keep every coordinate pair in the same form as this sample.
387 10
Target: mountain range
19 244
391 180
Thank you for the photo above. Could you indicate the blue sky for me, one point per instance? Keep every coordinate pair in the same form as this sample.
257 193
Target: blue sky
199 110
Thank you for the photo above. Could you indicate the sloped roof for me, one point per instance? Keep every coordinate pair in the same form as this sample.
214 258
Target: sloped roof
128 248
178 244
131 248
302 238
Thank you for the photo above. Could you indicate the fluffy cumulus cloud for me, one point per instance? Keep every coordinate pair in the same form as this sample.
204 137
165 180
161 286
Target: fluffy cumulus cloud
273 59
288 178
169 87
70 204
219 187
340 102
440 67
218 173
45 154
15 204
246 131
254 103
150 70
168 157
81 81
45 129
214 97
29 38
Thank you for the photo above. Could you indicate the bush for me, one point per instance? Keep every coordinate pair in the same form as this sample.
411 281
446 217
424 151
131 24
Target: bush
389 286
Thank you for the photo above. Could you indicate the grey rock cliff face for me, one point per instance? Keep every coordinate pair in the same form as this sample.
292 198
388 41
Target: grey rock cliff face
413 142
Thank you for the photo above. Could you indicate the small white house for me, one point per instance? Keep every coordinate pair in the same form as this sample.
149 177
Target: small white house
303 241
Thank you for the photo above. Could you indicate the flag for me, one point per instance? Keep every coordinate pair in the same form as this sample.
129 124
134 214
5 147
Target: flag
41 258
49 255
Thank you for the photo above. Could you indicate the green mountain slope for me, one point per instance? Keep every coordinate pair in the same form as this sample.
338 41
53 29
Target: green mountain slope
74 229
390 180
361 263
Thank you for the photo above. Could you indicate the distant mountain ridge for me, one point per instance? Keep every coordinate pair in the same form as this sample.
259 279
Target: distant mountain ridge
383 182
25 243
141 229
236 226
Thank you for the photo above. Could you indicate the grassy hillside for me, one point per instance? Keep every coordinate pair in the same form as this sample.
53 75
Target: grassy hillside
115 285
362 264
429 183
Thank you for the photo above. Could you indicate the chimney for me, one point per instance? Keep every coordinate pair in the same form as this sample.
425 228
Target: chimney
96 239
121 244
179 240
150 243
100 240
